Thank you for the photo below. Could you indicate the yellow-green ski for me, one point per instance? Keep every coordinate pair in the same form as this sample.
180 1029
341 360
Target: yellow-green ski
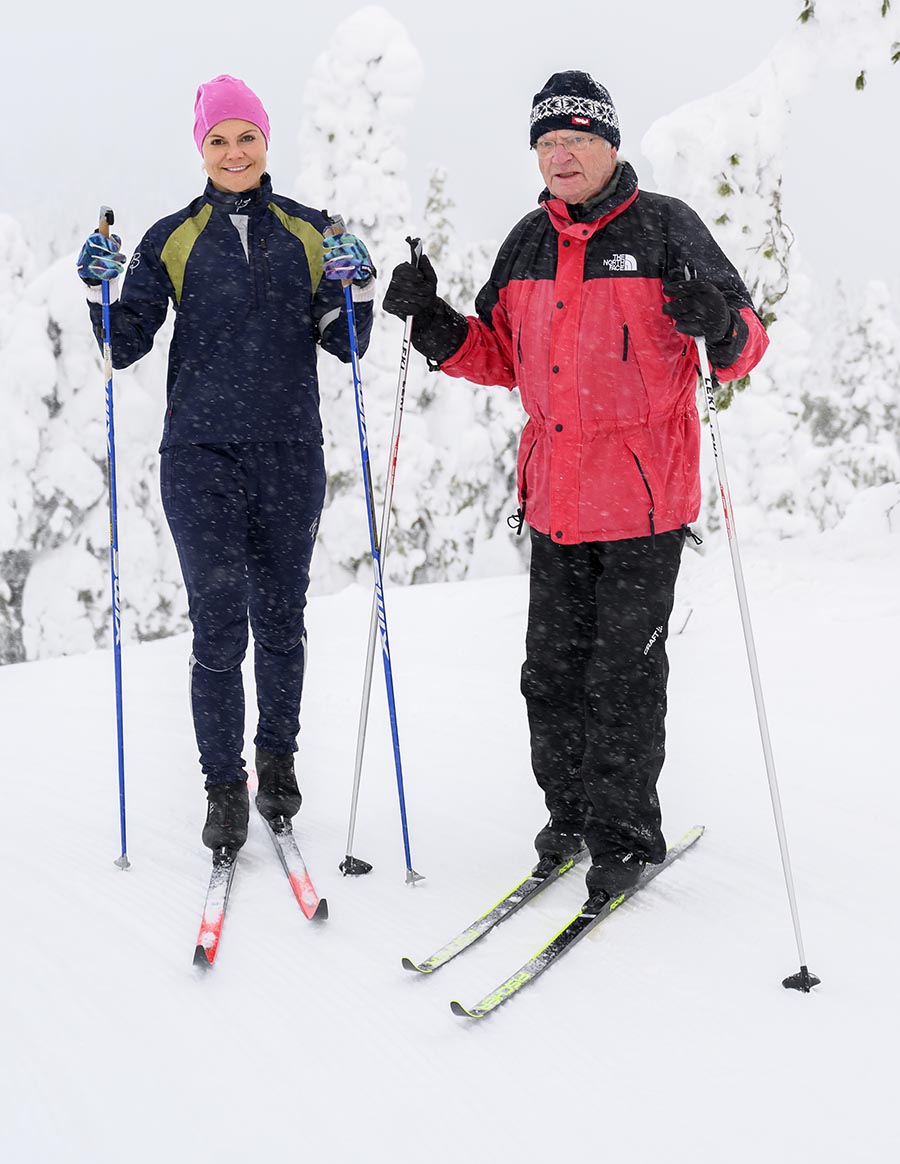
526 889
581 924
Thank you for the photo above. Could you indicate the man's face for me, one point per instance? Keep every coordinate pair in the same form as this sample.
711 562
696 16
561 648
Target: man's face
575 166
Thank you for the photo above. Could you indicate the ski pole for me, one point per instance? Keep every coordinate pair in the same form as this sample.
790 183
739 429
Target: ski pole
802 980
350 864
107 218
336 226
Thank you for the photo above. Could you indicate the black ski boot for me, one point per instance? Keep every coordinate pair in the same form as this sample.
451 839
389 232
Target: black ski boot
610 875
278 794
558 841
227 815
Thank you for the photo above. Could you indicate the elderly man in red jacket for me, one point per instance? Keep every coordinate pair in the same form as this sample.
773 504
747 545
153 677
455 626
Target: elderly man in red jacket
590 311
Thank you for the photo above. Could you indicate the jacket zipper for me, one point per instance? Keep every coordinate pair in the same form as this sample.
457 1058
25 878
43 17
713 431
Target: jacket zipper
266 280
625 341
652 509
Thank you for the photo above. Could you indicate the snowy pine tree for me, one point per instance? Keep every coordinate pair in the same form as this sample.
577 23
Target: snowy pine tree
54 536
18 443
351 137
475 431
853 414
724 156
453 485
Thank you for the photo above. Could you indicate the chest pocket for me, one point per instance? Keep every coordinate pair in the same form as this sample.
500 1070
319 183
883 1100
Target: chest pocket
611 387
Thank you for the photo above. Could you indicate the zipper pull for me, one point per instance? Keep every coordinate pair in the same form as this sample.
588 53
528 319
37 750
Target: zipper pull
517 520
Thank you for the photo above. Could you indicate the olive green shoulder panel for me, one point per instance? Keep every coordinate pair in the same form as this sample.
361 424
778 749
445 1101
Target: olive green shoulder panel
309 236
178 247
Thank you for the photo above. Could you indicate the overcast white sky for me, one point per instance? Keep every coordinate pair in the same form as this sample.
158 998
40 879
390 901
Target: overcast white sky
100 104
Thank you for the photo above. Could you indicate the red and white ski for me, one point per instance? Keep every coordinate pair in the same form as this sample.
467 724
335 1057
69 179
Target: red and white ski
214 910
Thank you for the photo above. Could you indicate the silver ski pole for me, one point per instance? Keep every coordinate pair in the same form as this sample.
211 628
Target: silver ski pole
350 864
802 980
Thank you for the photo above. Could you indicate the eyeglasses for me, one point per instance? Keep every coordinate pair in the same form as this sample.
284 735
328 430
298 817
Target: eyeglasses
576 143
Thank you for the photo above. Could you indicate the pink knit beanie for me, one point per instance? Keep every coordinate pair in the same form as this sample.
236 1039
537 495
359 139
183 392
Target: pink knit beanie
224 97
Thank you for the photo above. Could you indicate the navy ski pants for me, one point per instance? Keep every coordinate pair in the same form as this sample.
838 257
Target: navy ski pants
244 519
594 682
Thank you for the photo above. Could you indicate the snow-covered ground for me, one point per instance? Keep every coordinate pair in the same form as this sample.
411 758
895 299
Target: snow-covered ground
666 1035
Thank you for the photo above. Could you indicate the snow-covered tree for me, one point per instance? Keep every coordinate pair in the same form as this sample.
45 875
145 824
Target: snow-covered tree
18 446
463 267
455 458
891 48
724 155
852 409
54 531
471 488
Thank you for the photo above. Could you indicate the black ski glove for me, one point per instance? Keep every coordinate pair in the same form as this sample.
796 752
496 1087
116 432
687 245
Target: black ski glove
412 290
698 308
438 331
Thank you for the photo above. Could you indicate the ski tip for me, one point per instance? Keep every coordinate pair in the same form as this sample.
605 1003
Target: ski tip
354 866
460 1010
412 876
409 964
313 907
201 958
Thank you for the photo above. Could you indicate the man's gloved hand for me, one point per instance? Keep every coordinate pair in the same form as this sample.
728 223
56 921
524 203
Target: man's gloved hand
698 308
438 330
412 291
100 259
344 256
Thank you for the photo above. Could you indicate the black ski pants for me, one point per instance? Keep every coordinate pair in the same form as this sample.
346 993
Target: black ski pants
244 519
594 682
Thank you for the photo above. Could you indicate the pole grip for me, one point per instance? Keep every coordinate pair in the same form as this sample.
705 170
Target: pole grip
336 225
107 218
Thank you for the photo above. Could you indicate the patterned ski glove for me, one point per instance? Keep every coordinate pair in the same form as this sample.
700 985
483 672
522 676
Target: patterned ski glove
100 259
698 308
344 256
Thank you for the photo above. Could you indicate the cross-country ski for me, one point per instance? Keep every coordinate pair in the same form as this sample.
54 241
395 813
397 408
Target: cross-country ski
581 924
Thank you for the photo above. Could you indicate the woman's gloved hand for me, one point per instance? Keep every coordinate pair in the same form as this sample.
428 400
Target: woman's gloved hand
100 259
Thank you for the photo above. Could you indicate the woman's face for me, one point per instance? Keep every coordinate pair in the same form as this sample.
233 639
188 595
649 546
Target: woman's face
234 153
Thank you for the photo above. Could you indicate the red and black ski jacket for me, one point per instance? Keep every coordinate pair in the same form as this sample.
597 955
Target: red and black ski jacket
572 316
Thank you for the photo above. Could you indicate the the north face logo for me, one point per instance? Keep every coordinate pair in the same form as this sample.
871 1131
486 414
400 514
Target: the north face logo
621 263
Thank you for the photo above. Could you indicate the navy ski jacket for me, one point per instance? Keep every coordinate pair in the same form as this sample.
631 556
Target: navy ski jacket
242 362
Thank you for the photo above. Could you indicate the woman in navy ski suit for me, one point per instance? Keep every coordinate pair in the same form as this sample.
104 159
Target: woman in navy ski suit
255 284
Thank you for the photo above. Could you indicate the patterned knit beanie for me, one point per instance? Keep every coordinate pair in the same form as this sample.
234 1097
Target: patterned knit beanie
222 98
574 100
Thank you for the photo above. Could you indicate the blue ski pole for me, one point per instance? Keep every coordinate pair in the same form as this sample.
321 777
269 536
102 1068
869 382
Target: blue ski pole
106 220
336 226
350 864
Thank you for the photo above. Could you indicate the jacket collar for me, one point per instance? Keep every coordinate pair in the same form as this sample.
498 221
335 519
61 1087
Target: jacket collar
611 201
250 202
